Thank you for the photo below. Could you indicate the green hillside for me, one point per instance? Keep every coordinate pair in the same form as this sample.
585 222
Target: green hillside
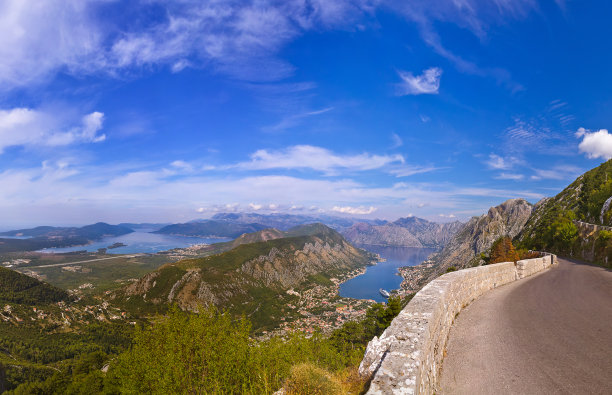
210 228
19 288
553 227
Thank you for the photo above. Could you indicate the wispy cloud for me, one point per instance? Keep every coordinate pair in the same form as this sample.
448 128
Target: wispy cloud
293 120
559 172
510 176
30 127
546 133
406 171
397 140
426 83
316 158
595 144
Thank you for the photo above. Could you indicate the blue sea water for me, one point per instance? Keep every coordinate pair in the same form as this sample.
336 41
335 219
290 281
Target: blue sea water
384 274
140 241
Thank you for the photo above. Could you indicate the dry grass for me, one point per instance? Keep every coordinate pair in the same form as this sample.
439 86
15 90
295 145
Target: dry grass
307 379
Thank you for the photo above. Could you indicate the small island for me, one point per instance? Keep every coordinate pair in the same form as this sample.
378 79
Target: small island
116 245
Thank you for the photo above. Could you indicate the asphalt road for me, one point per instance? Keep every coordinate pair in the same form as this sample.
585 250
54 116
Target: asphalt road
547 334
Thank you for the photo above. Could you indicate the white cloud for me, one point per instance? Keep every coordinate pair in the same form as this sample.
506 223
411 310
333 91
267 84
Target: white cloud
78 36
38 38
255 207
497 162
510 176
361 210
242 39
595 144
316 158
447 215
29 127
426 83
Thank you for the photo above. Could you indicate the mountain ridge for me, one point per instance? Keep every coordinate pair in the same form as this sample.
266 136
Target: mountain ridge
251 278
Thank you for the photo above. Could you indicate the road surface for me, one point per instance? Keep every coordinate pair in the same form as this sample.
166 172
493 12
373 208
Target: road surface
90 260
547 334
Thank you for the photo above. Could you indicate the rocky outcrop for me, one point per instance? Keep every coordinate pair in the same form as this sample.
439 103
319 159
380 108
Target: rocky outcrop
477 236
405 232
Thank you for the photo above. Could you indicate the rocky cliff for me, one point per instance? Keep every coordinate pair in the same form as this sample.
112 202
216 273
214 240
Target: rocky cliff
507 219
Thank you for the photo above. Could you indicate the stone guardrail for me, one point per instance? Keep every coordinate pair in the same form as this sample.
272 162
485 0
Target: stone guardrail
407 357
592 228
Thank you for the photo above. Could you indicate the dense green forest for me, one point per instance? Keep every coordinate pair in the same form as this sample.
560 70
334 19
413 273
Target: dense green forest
19 288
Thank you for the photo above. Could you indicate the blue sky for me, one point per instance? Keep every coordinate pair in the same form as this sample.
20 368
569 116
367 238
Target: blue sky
175 110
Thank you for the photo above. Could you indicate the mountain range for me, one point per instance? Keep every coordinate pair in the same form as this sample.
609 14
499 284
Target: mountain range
405 232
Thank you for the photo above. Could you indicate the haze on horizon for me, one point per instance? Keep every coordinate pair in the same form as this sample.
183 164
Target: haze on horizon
167 111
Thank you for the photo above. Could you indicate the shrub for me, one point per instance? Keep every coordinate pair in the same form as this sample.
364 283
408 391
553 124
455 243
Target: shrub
503 251
309 379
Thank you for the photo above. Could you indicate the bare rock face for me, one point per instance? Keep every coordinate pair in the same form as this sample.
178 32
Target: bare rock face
430 234
405 232
142 286
293 267
478 235
385 235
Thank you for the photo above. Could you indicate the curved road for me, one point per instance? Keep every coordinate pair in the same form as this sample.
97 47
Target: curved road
548 334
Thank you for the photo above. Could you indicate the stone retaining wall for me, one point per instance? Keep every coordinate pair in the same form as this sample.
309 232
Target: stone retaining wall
408 356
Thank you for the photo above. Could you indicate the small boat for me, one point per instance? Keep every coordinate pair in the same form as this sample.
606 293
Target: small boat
384 293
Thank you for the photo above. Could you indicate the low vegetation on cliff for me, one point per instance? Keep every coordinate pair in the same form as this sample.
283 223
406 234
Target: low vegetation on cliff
210 352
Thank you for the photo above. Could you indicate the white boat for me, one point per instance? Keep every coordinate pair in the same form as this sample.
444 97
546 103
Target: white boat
384 293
